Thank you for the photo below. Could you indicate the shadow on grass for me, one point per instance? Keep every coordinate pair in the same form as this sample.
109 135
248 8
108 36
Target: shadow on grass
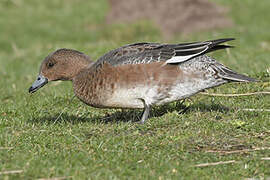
127 115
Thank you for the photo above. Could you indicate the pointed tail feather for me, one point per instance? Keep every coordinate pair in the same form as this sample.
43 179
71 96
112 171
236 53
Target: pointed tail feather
228 74
239 78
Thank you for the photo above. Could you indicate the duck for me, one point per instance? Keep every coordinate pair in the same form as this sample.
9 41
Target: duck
139 75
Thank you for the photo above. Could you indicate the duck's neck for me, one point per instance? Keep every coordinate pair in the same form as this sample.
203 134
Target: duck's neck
85 87
82 66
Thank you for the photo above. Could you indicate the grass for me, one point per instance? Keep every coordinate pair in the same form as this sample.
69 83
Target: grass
49 135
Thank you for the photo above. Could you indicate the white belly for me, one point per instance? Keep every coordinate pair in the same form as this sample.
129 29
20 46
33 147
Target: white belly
127 98
136 96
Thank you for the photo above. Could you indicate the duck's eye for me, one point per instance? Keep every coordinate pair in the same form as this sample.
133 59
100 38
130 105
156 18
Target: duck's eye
50 64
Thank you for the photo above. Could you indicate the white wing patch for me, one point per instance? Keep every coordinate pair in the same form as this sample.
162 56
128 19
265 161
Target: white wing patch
179 59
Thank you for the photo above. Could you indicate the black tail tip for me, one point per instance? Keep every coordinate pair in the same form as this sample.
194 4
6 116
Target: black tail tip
253 80
243 78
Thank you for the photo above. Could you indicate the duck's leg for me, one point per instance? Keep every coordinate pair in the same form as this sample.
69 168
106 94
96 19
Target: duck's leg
145 113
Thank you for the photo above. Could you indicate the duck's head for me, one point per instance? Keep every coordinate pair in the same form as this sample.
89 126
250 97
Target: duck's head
63 64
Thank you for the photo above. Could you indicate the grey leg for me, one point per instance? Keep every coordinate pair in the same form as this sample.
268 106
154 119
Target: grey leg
145 113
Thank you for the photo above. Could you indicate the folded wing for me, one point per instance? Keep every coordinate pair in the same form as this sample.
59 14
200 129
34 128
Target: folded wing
140 53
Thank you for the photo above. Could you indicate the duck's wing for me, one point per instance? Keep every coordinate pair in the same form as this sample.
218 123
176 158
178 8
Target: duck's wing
141 53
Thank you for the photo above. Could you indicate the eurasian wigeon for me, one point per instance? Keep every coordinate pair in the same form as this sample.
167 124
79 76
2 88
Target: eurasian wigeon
139 75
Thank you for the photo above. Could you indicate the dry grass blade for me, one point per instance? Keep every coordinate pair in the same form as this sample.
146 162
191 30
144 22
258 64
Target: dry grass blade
238 151
11 172
215 163
257 110
57 178
8 148
266 158
236 95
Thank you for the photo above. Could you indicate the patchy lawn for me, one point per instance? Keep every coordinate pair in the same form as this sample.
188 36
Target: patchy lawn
49 134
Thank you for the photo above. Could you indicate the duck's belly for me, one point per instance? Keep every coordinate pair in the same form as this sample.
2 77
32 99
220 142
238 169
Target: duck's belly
157 94
185 89
127 98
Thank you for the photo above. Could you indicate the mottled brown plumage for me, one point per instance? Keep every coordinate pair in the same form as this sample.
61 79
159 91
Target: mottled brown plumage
139 75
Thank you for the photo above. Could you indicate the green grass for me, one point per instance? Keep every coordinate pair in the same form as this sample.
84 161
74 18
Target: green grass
48 135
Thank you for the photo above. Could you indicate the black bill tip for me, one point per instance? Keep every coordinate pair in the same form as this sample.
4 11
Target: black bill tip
40 82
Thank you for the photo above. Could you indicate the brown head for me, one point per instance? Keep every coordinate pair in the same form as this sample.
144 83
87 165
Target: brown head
63 64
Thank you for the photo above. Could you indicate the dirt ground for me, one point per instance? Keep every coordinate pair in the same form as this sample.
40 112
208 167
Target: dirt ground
171 16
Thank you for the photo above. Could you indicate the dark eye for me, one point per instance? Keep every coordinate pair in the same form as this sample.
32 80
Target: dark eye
50 64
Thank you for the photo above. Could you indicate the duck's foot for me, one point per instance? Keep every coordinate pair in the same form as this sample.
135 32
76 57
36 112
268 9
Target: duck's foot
145 114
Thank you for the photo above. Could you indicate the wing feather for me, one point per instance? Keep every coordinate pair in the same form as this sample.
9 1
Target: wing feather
140 53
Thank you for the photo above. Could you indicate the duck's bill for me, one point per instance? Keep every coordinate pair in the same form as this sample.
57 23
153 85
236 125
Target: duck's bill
40 82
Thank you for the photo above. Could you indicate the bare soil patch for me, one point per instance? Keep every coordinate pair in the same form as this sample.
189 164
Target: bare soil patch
171 16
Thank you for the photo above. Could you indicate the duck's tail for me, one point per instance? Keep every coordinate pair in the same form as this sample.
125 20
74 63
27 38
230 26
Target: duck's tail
230 75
